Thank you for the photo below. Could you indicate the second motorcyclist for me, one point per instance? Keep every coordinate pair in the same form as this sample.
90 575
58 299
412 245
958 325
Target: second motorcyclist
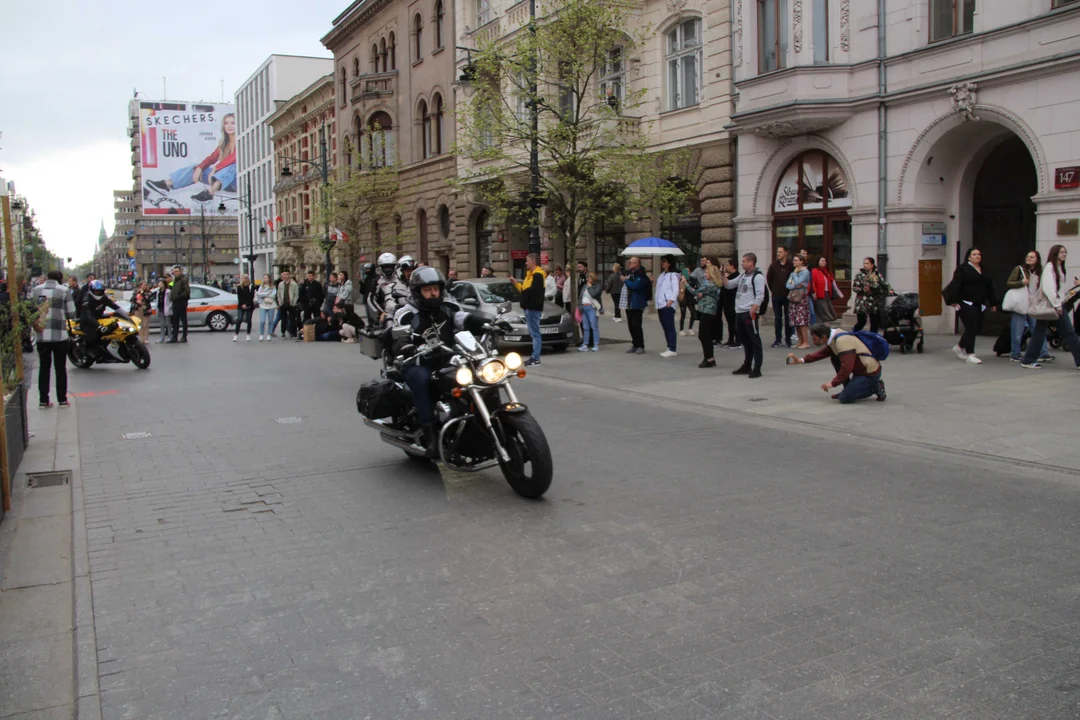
390 292
94 304
429 311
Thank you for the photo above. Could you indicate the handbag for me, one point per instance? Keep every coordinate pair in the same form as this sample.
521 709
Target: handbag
577 315
1040 307
1016 299
797 296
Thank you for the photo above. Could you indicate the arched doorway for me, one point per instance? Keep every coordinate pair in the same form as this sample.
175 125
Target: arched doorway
1004 214
483 242
810 212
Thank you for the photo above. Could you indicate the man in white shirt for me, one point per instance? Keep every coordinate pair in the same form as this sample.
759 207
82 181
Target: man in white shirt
749 295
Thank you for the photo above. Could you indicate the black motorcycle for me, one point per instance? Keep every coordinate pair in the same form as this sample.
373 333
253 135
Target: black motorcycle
476 427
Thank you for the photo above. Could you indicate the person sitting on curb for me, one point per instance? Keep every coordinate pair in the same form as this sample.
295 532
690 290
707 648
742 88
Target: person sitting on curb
856 368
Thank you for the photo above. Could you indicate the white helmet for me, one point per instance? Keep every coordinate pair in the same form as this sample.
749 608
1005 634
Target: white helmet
387 263
406 261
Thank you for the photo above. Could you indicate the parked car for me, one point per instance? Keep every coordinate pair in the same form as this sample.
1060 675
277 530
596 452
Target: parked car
493 296
216 309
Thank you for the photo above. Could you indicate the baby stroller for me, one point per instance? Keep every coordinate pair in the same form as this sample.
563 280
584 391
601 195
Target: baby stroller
1069 304
902 324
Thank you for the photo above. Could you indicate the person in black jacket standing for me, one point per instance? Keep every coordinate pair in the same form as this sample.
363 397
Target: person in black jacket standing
245 303
970 292
311 297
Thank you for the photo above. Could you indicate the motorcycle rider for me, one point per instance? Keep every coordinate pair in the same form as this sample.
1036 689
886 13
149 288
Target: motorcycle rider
94 303
429 308
390 292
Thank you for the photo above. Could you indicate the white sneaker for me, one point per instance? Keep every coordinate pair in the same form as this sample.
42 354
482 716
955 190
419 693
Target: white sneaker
260 338
668 354
617 319
683 333
690 333
973 360
269 338
247 338
960 352
234 337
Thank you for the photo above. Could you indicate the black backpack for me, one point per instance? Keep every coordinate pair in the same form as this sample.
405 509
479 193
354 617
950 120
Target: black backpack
765 301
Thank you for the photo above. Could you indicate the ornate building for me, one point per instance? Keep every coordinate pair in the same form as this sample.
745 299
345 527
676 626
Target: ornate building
300 128
684 67
393 72
909 133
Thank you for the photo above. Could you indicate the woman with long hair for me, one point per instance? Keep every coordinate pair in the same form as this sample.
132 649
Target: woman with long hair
266 297
589 304
613 287
245 301
164 309
1028 277
1051 286
217 170
142 308
707 298
870 291
667 297
823 287
798 285
971 293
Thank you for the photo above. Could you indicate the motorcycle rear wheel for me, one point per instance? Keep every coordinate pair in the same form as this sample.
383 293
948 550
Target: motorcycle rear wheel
530 469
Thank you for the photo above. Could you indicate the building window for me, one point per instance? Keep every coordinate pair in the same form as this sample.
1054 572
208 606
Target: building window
374 57
613 79
393 51
355 66
440 16
425 130
567 94
344 92
821 31
483 13
444 221
772 35
422 231
437 121
949 18
684 64
418 30
384 56
1063 3
378 150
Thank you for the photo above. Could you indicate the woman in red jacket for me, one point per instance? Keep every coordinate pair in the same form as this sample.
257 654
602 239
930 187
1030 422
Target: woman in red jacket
822 287
217 170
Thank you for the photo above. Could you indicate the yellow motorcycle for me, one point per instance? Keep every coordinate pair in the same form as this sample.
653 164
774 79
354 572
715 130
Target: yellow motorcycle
119 343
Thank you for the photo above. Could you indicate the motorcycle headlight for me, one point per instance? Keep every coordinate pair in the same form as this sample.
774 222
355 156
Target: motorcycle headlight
464 376
513 361
492 371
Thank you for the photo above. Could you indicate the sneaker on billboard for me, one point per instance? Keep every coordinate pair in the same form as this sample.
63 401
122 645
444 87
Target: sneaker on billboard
204 196
158 186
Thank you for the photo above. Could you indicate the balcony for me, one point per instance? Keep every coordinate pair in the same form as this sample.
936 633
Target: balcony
135 141
370 86
291 232
800 100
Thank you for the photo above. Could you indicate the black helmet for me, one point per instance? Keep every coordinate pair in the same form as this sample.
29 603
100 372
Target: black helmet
97 289
421 278
368 267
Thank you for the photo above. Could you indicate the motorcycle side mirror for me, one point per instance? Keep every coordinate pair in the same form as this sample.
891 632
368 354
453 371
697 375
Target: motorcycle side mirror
471 301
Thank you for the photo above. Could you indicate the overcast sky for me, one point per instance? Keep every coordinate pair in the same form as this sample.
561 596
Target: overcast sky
69 68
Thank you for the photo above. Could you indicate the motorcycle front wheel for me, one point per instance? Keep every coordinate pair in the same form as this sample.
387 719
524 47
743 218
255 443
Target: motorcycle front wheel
530 468
139 353
79 357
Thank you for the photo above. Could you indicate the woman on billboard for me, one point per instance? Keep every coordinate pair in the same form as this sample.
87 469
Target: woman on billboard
218 170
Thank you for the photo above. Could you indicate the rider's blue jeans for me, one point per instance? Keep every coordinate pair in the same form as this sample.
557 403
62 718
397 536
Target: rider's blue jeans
418 378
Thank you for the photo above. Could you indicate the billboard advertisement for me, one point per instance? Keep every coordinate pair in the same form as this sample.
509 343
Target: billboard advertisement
188 157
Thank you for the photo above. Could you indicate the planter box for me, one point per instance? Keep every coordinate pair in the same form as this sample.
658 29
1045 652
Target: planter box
17 431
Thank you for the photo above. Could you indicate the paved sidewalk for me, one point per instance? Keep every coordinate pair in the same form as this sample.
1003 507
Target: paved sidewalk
48 665
933 398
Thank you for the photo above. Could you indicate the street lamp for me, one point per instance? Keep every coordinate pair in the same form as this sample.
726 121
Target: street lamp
324 169
245 202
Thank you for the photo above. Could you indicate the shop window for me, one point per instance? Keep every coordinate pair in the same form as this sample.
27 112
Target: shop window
772 35
684 64
949 18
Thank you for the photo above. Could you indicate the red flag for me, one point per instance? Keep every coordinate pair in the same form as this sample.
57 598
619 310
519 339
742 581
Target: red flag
270 224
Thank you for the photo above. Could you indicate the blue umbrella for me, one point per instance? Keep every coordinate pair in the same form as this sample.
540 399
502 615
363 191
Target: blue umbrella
652 246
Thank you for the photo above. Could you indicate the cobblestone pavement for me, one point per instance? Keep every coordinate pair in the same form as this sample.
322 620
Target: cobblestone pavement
261 555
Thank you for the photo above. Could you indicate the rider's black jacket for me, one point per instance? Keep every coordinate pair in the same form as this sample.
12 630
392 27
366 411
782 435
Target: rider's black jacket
448 319
95 307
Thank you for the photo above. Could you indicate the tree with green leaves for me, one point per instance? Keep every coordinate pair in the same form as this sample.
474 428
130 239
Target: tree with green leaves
361 204
593 143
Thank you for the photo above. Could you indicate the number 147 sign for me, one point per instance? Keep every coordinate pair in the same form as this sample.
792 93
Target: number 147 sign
1067 178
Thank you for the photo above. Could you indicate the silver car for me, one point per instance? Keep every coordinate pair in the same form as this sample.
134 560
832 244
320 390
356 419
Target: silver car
208 306
497 297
